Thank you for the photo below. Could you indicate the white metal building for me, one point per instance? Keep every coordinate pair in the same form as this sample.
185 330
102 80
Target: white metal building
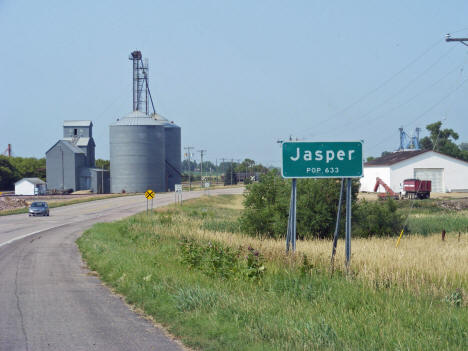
30 186
447 174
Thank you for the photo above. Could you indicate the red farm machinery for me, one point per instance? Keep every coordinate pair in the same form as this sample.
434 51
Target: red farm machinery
412 189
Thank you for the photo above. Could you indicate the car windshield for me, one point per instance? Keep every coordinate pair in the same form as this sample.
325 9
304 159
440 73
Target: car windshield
38 204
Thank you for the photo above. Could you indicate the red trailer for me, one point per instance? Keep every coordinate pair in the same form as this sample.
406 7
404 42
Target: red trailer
416 188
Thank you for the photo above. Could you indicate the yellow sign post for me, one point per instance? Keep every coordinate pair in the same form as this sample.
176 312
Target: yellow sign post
149 194
401 234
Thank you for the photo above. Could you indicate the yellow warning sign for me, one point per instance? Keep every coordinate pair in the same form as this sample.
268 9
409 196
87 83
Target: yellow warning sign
149 194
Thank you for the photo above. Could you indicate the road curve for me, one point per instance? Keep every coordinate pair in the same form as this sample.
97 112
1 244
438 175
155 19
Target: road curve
50 301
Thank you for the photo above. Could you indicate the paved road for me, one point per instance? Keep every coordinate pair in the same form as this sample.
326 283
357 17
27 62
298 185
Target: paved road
48 299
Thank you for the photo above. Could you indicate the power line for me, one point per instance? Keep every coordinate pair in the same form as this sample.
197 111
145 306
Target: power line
381 85
362 117
392 109
426 111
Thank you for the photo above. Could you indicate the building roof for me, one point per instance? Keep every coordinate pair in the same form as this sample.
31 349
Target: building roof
399 156
394 157
158 117
68 145
81 141
138 118
35 181
167 123
77 123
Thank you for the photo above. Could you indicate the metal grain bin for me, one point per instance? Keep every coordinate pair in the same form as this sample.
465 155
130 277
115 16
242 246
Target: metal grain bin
137 154
173 151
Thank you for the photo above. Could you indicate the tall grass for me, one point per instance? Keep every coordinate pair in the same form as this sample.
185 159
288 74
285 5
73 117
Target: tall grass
420 263
296 305
429 224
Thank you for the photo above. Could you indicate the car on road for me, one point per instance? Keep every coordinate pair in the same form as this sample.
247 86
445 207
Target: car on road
39 208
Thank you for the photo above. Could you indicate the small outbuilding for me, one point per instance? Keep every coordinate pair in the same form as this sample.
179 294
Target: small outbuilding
447 174
30 186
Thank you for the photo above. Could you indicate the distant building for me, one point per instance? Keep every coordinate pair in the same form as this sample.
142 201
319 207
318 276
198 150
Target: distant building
70 162
446 173
30 186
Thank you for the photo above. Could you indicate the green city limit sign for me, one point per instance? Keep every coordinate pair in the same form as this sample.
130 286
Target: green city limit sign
322 159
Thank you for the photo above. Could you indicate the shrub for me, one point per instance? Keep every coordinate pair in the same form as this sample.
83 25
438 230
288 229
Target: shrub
266 209
217 260
266 206
377 219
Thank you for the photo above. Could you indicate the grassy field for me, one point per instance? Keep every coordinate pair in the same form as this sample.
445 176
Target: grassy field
192 270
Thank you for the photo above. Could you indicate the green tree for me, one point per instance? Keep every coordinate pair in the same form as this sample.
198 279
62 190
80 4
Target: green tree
442 140
8 174
267 206
100 163
29 167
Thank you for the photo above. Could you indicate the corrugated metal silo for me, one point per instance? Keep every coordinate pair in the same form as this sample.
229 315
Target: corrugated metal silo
173 151
137 154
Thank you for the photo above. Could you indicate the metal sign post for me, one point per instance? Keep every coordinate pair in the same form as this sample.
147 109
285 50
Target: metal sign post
149 194
348 223
178 194
337 226
291 234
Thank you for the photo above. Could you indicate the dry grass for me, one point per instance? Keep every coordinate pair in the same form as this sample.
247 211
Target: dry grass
420 263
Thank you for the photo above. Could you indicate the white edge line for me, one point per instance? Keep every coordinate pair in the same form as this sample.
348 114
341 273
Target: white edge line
29 234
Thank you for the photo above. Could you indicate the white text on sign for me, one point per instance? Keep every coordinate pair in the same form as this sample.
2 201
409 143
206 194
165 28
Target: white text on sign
318 155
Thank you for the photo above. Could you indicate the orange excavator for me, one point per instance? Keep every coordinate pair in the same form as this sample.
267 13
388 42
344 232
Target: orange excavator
389 193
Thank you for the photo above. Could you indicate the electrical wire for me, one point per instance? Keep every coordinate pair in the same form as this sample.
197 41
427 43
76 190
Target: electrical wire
362 117
381 85
426 111
417 94
379 116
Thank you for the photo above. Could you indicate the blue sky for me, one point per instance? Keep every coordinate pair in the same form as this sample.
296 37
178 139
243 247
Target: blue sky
235 75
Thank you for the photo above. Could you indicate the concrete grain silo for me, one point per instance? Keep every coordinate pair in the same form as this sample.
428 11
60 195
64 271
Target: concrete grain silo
173 151
137 154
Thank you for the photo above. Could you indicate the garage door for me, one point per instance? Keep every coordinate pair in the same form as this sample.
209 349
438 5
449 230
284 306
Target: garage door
435 175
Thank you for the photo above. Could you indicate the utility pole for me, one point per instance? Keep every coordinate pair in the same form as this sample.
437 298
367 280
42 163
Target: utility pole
188 148
460 40
231 170
224 173
201 166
